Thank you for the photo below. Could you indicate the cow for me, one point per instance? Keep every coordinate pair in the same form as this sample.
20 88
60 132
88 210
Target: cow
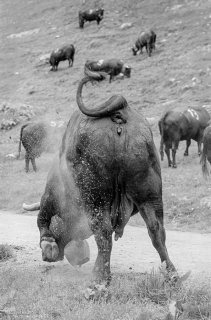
147 40
106 171
90 15
206 151
67 52
36 138
177 125
112 67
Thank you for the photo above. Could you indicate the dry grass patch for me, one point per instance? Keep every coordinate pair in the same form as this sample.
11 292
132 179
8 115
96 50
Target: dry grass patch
6 252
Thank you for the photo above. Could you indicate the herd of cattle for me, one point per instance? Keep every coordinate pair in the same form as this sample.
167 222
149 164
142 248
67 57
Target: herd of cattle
107 169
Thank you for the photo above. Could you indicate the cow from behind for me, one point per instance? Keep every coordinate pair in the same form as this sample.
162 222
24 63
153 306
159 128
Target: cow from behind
206 151
112 67
147 40
90 15
67 52
107 170
181 124
37 137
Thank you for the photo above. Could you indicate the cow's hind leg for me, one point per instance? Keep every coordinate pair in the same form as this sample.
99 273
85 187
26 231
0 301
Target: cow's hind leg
27 162
103 237
152 214
33 164
188 143
167 151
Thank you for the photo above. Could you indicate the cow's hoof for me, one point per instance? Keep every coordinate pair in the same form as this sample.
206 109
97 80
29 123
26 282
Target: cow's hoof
174 166
50 251
185 154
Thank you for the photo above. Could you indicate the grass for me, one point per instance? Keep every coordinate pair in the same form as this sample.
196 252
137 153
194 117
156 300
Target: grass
29 292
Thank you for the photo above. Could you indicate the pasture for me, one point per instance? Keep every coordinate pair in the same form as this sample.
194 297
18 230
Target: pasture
177 74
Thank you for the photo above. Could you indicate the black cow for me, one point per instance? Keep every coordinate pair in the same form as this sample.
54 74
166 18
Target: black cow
90 15
107 170
112 67
67 52
33 136
177 125
147 40
36 138
206 151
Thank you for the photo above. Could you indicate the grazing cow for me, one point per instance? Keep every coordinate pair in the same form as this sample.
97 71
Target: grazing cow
177 125
107 170
90 15
147 40
112 67
65 53
206 151
36 138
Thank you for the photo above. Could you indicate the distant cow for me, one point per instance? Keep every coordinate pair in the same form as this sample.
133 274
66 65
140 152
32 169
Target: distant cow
177 125
206 152
36 138
67 52
112 67
147 40
90 15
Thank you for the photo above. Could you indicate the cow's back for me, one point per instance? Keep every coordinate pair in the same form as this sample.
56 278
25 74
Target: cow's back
100 158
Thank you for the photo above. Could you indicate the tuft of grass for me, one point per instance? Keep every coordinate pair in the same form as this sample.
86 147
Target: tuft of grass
5 252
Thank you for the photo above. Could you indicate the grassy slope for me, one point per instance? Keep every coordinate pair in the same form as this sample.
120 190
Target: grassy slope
157 83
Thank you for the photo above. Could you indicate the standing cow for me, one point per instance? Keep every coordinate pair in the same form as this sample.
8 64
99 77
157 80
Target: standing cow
206 151
90 15
177 125
107 170
147 40
36 138
67 52
112 67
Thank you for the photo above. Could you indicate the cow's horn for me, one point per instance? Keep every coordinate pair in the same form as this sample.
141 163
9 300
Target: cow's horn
31 207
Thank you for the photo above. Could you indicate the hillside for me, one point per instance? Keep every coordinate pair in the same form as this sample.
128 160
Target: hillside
178 73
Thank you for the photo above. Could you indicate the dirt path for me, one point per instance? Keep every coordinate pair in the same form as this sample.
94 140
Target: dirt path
134 252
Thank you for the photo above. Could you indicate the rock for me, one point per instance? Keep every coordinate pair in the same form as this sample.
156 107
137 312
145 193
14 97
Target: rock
11 155
45 58
126 25
23 34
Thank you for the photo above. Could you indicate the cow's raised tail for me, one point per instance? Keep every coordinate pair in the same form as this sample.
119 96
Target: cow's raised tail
106 109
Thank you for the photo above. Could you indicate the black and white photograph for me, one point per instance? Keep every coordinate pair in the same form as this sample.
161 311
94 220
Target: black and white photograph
105 160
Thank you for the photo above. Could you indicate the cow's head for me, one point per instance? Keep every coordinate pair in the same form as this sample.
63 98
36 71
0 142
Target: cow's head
126 70
134 50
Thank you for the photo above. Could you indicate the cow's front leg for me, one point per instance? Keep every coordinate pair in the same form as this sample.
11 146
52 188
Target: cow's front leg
102 270
148 49
51 245
174 150
188 143
199 147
